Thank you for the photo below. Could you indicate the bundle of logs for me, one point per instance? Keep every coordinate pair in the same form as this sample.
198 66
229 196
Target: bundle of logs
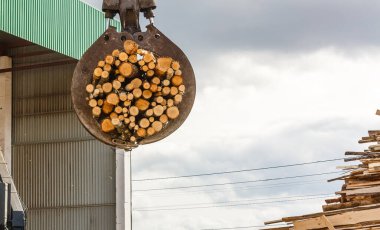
134 93
357 205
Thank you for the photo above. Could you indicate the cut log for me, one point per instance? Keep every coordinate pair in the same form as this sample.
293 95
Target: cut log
97 73
109 59
134 111
177 99
164 119
132 118
107 108
107 126
150 131
151 65
156 80
116 84
113 99
166 82
142 104
147 94
149 113
114 115
178 72
129 87
153 88
163 64
107 67
118 110
101 64
133 139
104 77
150 73
121 117
107 87
127 103
116 53
136 83
159 99
121 78
175 65
151 119
127 69
93 103
127 121
137 93
172 112
118 125
145 68
100 102
174 91
130 47
165 91
148 57
123 56
96 93
157 126
169 73
123 96
182 88
170 102
141 63
130 96
90 88
133 59
141 132
96 111
117 63
163 103
158 110
177 80
144 123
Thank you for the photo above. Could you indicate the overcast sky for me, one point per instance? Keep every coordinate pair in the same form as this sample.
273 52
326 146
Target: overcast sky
278 82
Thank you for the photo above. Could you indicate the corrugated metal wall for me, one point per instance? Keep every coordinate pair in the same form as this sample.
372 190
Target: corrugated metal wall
66 26
64 176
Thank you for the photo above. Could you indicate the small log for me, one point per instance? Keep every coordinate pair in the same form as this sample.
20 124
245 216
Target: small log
104 77
107 67
113 115
182 88
107 126
136 83
175 65
149 113
159 99
174 91
144 123
163 64
127 121
132 125
133 59
142 104
150 131
127 69
151 119
96 111
164 119
172 112
156 81
166 82
177 80
129 87
151 65
101 64
177 99
153 103
159 89
117 63
165 91
127 103
137 93
157 126
100 102
141 132
116 53
96 93
116 84
121 117
169 73
107 87
132 118
98 86
113 99
145 68
90 88
178 72
130 47
163 103
158 110
130 96
149 57
141 63
109 59
123 56
147 94
107 108
121 78
97 73
133 139
118 110
123 96
125 110
93 103
150 73
134 111
153 88
170 102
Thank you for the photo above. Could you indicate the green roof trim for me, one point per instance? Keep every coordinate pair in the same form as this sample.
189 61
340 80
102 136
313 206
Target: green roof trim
68 27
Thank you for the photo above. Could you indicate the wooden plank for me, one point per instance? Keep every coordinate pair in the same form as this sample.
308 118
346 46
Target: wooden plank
362 191
314 223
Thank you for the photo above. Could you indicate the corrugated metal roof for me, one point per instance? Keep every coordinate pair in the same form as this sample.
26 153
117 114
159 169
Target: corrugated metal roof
65 26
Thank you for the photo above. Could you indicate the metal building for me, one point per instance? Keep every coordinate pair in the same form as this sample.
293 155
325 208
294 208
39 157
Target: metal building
65 177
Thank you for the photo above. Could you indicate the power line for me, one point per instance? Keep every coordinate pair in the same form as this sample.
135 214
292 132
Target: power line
232 183
236 201
231 205
238 171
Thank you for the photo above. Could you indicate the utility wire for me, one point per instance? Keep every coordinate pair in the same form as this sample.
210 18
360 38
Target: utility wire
236 201
233 183
239 171
230 205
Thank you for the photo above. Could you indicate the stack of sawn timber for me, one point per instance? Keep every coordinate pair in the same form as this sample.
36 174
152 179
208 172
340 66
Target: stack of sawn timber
358 204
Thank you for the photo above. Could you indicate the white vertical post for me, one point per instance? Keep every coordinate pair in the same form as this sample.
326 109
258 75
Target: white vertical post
6 109
123 190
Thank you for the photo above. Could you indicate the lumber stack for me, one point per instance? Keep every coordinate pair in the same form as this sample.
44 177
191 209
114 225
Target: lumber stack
357 205
134 94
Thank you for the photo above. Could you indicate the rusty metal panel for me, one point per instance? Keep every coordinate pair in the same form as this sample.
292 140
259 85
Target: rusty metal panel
64 176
